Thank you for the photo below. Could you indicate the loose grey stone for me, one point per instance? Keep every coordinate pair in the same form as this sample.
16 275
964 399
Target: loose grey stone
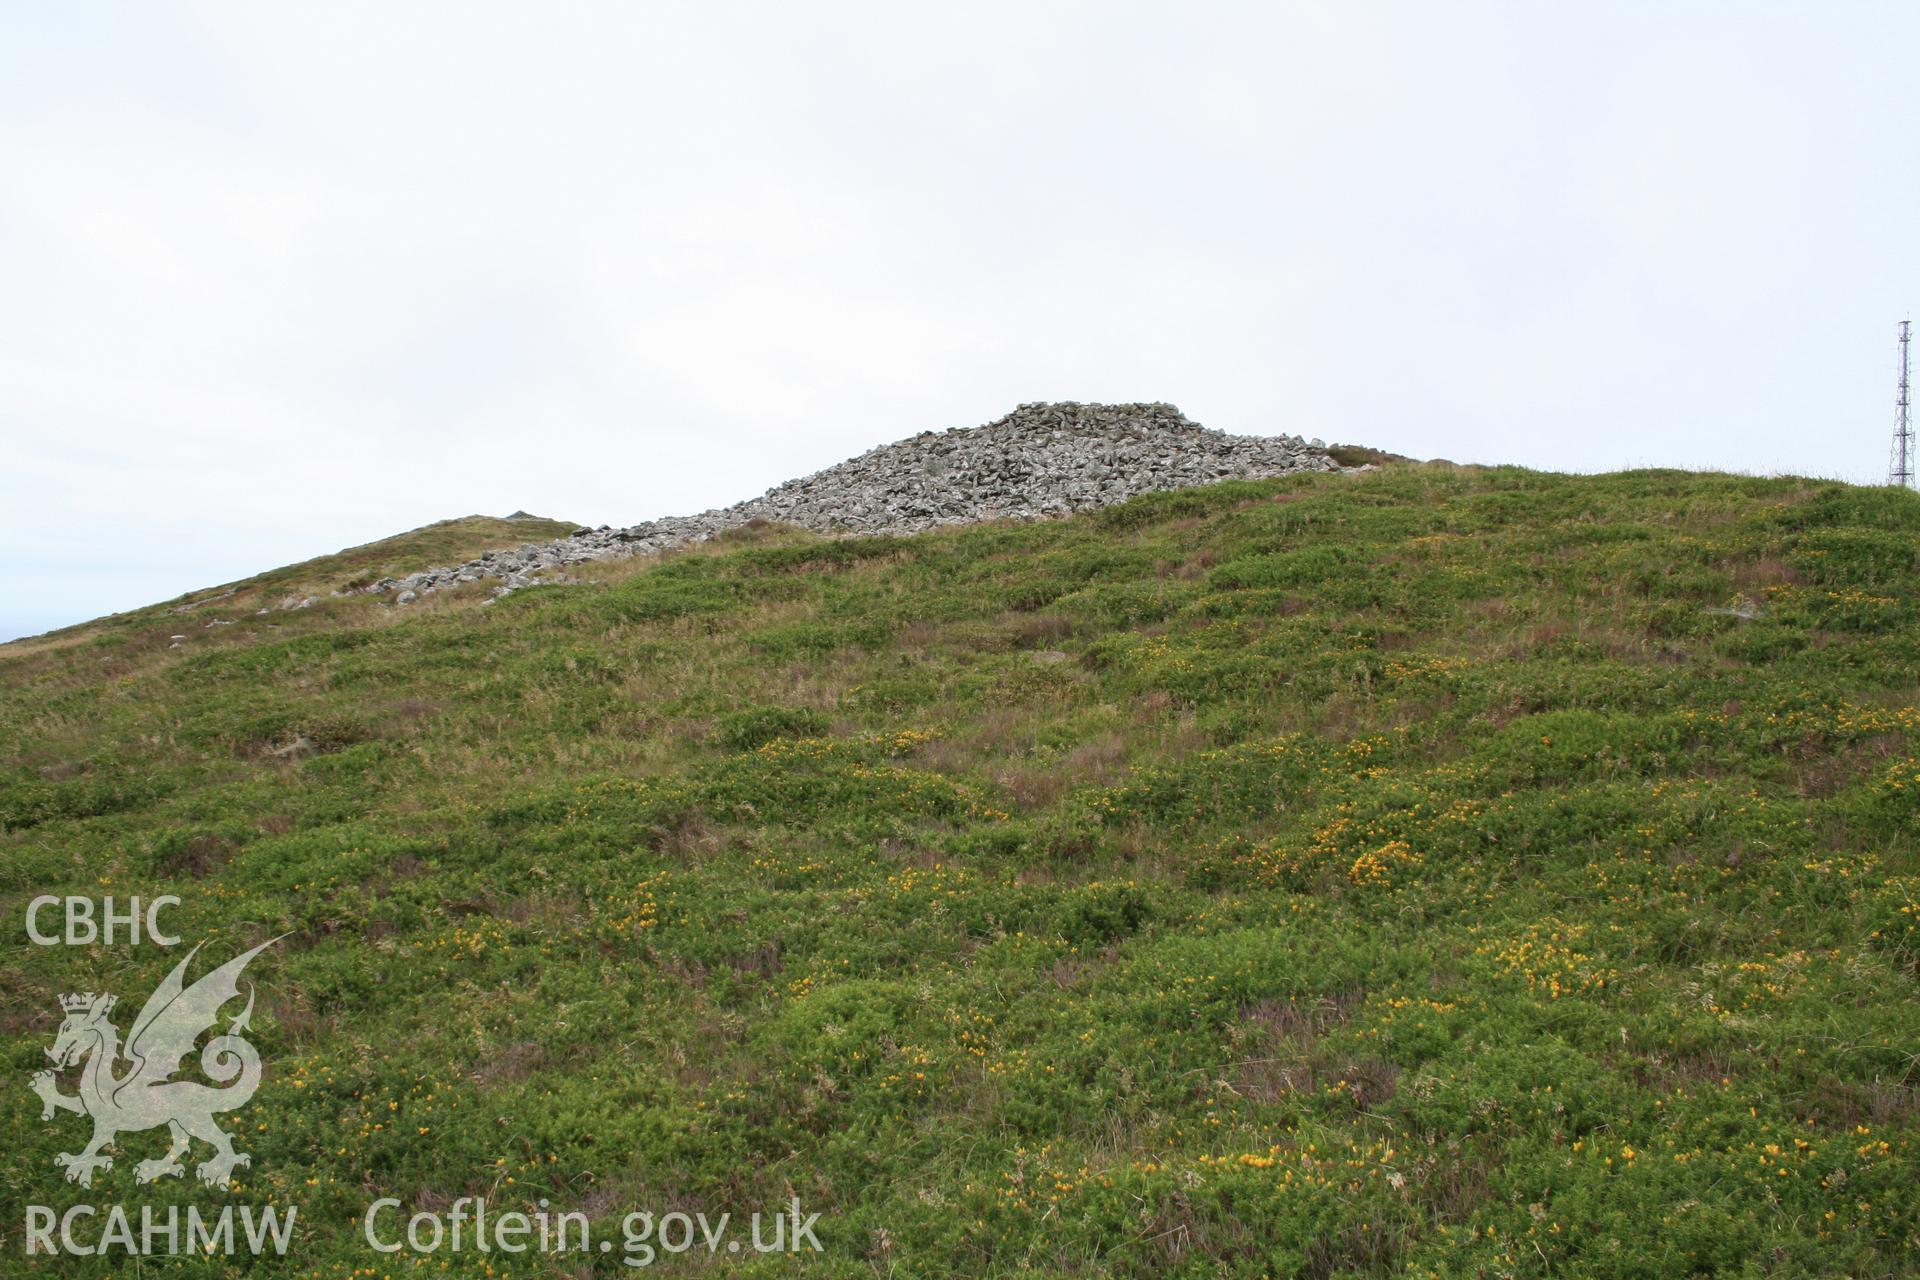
1039 462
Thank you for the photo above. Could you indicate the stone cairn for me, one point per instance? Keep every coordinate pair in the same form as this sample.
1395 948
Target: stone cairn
1040 461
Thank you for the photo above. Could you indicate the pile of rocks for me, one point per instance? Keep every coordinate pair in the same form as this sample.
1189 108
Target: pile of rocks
1040 460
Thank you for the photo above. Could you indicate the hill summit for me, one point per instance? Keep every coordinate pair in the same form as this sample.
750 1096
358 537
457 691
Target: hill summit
1041 460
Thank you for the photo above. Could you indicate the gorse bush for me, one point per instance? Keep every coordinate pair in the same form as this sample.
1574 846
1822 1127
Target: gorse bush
1435 871
757 726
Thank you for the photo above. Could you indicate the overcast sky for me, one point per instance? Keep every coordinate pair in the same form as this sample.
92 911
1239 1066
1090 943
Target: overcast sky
277 279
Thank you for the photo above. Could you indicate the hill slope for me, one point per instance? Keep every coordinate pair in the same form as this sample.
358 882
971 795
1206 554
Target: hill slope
346 570
1460 872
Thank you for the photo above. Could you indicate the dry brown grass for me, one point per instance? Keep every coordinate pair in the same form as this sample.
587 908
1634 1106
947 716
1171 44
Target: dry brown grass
1197 565
1098 761
1767 571
1039 630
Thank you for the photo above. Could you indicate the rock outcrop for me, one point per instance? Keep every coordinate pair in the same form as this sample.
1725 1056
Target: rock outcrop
1039 461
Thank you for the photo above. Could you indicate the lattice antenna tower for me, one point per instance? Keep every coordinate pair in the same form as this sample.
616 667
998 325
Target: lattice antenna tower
1900 463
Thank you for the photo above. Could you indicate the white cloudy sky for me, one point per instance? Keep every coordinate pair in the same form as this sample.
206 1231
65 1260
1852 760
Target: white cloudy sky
276 279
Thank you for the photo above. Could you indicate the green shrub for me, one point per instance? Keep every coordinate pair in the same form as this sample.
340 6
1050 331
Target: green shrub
753 728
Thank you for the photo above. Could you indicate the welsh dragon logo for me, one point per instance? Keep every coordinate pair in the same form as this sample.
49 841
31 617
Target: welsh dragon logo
143 1094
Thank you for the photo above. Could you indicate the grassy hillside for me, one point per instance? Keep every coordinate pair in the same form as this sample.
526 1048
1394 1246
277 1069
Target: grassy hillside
1445 871
442 542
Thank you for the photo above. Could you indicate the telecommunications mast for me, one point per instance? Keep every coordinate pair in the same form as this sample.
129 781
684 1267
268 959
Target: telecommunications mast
1900 464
